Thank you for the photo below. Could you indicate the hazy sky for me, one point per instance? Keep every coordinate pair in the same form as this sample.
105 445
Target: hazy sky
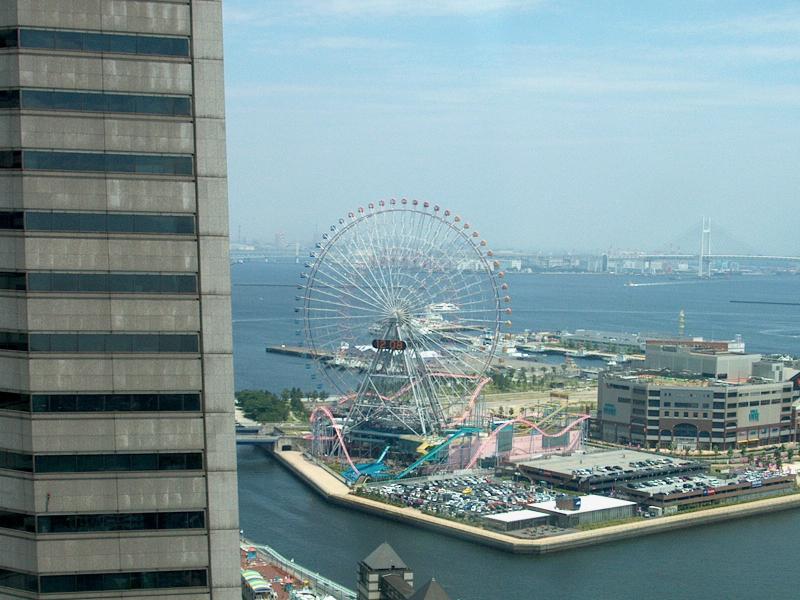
547 124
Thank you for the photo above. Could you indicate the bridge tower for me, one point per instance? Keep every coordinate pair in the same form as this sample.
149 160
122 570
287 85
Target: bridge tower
705 248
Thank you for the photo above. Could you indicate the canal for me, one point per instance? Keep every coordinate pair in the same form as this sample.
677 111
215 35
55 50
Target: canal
749 558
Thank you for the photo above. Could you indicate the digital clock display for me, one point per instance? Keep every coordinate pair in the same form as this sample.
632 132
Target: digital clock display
394 345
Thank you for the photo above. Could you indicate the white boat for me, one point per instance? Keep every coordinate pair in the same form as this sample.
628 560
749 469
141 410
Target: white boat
441 307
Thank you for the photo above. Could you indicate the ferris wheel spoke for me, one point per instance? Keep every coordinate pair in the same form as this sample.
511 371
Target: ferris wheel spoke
345 297
368 255
367 276
340 277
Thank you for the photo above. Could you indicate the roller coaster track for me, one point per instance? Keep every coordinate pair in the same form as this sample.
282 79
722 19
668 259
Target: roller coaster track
325 412
493 436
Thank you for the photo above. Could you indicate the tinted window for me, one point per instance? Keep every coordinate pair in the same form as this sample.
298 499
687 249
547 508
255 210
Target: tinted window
18 581
11 220
8 98
18 521
10 159
38 160
36 38
99 342
13 281
96 102
101 402
96 42
8 38
81 463
101 282
20 402
15 341
16 461
92 582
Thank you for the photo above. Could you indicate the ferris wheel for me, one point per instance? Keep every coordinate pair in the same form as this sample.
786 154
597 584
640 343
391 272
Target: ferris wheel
403 305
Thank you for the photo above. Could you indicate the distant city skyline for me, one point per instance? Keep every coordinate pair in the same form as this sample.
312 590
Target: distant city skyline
549 125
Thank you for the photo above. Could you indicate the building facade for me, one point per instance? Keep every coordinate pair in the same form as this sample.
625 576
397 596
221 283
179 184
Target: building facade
721 360
657 410
117 451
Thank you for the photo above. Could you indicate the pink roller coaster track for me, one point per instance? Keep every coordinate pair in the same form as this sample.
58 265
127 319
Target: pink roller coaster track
493 436
325 412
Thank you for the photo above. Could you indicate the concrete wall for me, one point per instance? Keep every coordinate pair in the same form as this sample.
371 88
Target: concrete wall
206 254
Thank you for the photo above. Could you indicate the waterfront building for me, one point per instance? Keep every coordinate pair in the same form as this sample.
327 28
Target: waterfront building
632 343
589 509
605 471
662 409
117 452
516 519
722 360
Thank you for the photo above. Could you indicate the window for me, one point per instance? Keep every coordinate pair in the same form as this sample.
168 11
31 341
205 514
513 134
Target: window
10 159
87 463
16 461
130 283
11 340
41 160
18 521
107 222
11 220
92 582
12 281
8 38
98 102
86 41
15 401
15 579
113 402
119 522
111 342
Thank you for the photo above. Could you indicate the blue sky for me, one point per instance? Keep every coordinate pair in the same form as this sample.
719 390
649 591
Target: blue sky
549 125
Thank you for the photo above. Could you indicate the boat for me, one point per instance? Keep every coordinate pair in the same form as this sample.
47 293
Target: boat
441 307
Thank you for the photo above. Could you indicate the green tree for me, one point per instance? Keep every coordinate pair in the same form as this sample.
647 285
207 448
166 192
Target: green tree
262 406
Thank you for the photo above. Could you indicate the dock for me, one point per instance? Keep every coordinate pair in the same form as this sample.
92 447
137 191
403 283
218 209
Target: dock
330 487
298 351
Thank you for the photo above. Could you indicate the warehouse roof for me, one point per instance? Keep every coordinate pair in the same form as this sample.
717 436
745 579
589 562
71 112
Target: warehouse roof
517 515
589 503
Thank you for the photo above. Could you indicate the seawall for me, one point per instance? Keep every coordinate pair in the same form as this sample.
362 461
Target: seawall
337 492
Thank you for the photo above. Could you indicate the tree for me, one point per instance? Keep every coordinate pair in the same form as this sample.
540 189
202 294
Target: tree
730 454
262 406
790 454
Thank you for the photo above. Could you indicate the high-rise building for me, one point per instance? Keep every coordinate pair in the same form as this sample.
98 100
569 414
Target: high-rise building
117 452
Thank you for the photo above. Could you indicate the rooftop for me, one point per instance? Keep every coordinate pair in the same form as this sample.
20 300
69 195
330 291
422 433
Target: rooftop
384 558
589 503
430 591
599 462
517 515
666 378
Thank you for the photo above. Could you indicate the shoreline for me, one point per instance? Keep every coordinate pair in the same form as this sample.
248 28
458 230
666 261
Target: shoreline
334 491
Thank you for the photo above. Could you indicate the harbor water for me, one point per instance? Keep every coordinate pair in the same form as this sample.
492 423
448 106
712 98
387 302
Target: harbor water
752 557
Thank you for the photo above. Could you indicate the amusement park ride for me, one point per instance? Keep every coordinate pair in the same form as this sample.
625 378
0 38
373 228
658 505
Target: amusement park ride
403 306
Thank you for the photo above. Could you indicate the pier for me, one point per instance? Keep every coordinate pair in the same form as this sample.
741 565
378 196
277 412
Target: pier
329 486
298 351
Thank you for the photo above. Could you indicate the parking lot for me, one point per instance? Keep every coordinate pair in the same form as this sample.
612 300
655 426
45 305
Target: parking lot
462 497
706 483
